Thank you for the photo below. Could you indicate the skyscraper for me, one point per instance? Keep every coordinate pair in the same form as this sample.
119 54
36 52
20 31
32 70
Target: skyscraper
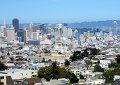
15 23
10 33
115 27
21 35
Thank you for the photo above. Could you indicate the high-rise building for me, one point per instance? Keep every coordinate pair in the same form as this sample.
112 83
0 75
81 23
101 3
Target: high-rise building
10 33
21 35
35 35
15 23
115 27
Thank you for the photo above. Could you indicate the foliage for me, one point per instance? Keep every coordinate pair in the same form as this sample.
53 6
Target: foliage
88 62
109 75
114 65
55 72
76 56
81 76
88 52
118 58
73 78
67 63
97 68
2 66
43 60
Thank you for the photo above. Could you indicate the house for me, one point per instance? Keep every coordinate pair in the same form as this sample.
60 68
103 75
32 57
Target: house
19 73
116 77
62 81
7 80
32 81
104 63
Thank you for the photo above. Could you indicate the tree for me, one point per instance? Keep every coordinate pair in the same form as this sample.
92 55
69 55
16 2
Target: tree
73 78
94 51
2 66
43 60
55 72
88 52
88 62
67 63
114 65
45 72
97 68
118 58
109 75
76 56
81 76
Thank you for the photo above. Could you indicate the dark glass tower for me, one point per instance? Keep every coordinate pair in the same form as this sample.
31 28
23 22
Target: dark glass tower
21 35
15 23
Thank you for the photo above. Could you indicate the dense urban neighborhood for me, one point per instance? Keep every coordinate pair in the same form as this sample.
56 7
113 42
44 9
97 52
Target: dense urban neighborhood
46 54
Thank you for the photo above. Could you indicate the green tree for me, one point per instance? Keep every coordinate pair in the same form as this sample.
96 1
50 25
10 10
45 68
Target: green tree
45 72
81 76
114 65
73 78
94 51
76 56
88 52
55 72
2 66
88 63
118 58
97 68
67 63
109 75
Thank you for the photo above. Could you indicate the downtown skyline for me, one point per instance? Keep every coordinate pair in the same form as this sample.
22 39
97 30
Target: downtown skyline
59 11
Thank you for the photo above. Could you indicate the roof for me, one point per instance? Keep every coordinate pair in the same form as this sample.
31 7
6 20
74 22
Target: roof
9 80
32 80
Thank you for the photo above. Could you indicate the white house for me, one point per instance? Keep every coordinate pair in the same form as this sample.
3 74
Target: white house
104 63
116 77
19 73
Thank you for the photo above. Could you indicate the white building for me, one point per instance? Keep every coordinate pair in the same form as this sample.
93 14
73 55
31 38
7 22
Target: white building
116 77
19 73
104 63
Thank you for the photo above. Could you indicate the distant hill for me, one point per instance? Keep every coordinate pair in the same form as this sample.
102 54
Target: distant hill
94 24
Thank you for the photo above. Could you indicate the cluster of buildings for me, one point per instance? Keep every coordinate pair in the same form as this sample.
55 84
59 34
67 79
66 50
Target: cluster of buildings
25 51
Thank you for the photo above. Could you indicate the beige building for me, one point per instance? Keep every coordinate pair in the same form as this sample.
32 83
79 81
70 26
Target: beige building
10 33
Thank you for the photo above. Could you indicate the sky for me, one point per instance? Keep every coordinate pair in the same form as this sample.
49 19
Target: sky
57 11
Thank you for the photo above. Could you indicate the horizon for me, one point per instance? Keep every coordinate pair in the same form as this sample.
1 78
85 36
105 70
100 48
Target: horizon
59 11
58 22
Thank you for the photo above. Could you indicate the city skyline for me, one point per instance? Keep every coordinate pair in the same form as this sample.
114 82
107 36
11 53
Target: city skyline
57 11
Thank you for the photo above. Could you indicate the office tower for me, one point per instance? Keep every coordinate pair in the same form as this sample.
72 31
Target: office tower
70 33
2 31
15 23
10 33
49 28
65 32
35 35
21 35
115 27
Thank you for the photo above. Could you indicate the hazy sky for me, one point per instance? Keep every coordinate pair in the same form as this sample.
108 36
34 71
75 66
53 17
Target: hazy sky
59 10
